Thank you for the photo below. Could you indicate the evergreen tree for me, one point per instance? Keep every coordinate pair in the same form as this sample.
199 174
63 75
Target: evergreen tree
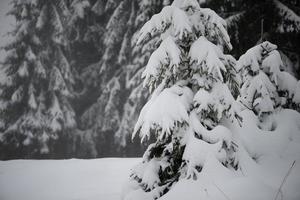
35 108
187 77
266 86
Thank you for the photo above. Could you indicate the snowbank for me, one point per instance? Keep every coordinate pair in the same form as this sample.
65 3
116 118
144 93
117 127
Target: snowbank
99 179
265 158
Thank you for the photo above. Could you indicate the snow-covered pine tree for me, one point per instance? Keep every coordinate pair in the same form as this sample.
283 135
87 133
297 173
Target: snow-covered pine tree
266 85
187 77
35 109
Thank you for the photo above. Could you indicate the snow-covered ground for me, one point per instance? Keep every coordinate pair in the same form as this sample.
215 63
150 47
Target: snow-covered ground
98 179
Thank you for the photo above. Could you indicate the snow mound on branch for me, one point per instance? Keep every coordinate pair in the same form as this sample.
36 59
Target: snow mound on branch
283 80
164 59
219 101
169 16
163 109
272 63
286 82
208 56
149 172
254 56
218 134
204 151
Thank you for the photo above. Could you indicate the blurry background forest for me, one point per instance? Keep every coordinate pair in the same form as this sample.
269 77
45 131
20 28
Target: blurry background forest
70 81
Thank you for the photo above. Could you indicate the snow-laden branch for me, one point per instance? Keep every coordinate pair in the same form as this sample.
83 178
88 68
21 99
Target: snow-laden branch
208 56
185 19
164 112
253 57
169 16
164 60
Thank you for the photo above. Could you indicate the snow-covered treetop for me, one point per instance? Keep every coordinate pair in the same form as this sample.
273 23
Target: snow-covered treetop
252 59
263 79
186 20
187 55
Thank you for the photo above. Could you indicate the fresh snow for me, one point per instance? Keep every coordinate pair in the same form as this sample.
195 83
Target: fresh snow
166 56
170 15
156 114
98 179
254 56
203 51
263 164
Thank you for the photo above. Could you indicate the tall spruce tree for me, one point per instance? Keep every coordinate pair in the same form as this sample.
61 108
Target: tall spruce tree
187 77
35 108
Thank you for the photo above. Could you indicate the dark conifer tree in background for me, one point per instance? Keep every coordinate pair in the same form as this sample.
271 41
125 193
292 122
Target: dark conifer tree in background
277 21
110 117
35 108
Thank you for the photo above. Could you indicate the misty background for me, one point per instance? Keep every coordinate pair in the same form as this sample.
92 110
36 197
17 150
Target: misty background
6 24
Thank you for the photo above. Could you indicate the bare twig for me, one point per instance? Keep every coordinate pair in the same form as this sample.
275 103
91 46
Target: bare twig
284 180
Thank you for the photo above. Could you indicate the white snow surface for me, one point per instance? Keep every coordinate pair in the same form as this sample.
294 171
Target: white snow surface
74 179
265 156
258 179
